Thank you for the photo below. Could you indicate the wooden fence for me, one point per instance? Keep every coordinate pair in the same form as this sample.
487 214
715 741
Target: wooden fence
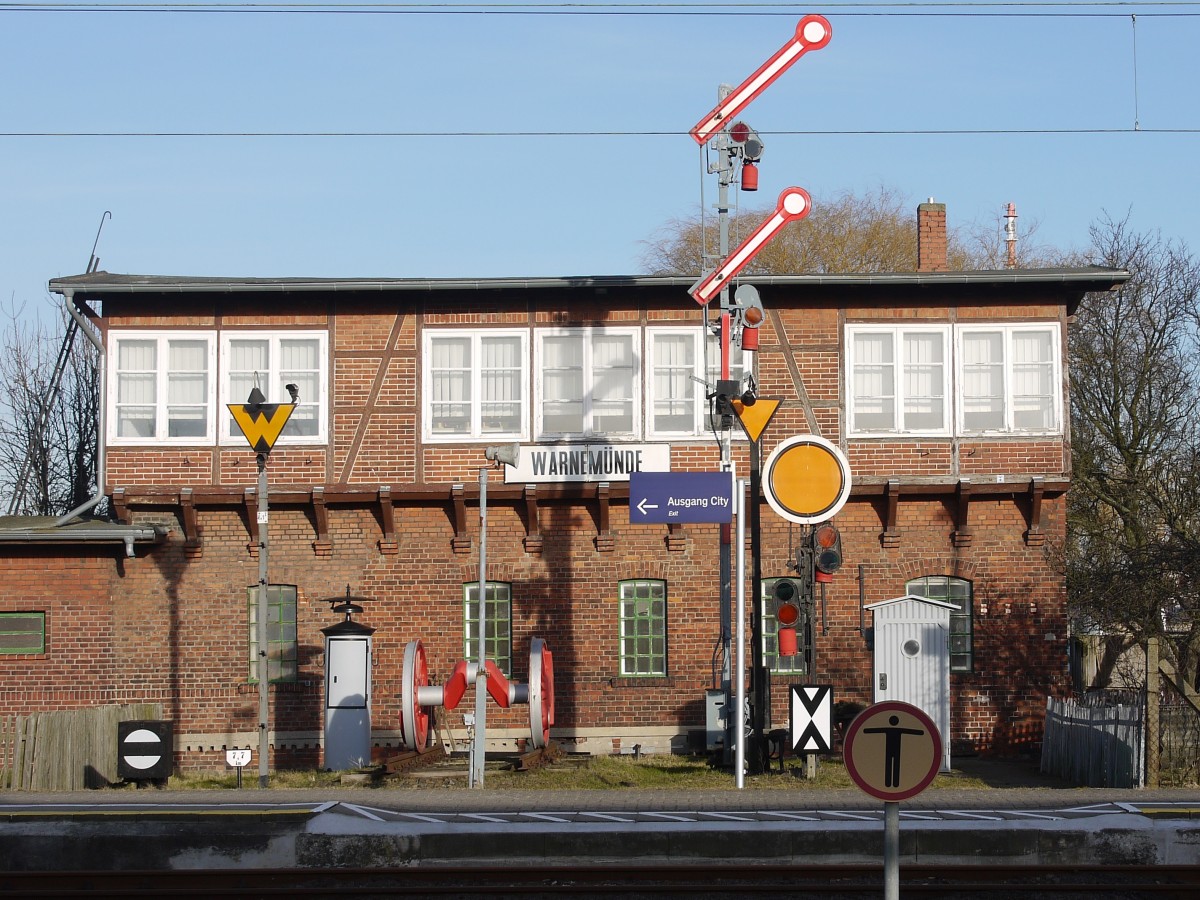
1094 745
65 750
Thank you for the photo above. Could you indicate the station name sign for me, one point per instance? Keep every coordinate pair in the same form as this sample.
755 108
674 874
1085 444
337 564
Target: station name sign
587 462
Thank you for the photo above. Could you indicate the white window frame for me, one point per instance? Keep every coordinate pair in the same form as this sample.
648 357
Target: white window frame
475 433
706 366
162 340
1008 330
272 384
897 333
636 336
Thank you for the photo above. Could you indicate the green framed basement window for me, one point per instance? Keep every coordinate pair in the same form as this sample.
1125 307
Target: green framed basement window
643 624
22 633
498 611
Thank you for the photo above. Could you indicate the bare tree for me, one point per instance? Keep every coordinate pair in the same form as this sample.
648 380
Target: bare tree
1133 553
876 232
49 404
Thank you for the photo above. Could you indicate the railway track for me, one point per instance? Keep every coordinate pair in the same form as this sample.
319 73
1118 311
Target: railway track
628 882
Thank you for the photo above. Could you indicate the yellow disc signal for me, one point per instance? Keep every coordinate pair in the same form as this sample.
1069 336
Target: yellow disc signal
806 479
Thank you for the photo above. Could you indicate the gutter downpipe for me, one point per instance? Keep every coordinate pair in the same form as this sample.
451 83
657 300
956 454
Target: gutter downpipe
101 406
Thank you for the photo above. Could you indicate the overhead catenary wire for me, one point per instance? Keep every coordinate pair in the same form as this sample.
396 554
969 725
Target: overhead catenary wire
829 132
1181 8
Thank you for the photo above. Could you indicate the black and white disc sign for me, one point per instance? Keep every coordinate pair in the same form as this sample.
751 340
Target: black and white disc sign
812 718
144 749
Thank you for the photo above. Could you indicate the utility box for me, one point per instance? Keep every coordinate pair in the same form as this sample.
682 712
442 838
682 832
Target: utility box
347 694
716 723
912 658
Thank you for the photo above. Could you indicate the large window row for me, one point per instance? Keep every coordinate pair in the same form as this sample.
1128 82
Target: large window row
553 384
174 387
965 379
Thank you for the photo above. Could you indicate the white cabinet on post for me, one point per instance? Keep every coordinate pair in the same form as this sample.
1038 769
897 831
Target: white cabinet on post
912 658
347 691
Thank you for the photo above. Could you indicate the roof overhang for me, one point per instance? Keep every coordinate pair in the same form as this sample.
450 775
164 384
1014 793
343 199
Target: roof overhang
41 531
1085 279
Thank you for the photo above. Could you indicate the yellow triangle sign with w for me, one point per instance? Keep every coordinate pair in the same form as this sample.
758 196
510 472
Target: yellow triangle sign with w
261 423
755 419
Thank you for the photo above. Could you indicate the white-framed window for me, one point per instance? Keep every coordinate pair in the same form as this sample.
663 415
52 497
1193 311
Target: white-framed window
1009 379
162 387
588 382
271 360
918 379
476 384
676 403
898 379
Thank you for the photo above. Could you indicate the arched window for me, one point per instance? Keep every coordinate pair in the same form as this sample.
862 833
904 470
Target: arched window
959 592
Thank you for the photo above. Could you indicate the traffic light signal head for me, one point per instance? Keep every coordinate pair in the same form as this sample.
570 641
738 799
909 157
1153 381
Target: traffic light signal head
748 141
827 552
786 595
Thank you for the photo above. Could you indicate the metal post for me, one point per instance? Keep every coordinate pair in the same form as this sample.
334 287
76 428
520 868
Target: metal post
1152 727
739 671
891 850
757 680
477 748
264 673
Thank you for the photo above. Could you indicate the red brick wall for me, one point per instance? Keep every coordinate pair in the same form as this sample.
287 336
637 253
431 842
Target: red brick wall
170 626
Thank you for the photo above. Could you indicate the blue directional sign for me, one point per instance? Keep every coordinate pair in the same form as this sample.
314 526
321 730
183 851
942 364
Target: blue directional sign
680 497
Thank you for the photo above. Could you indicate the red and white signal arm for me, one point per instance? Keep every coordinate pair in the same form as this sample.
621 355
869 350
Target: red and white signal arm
812 33
794 203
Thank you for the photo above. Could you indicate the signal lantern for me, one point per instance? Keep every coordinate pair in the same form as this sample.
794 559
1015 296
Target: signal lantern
786 596
827 552
750 313
749 176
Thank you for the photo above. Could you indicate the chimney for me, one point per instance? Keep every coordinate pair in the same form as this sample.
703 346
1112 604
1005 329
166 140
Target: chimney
931 237
1010 234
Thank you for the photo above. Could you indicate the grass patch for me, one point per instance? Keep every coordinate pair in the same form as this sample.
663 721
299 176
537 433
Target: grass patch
595 773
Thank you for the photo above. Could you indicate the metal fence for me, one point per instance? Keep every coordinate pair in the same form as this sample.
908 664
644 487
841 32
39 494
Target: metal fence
65 750
1179 747
1095 745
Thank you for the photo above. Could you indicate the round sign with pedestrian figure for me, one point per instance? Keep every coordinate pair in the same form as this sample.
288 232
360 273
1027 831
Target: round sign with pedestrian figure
893 750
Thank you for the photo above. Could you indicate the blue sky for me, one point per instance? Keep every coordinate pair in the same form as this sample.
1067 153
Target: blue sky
603 104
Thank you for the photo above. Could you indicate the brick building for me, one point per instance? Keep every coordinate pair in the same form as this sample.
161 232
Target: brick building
945 390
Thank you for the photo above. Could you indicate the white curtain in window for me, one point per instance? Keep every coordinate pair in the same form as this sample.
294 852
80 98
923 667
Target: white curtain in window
674 391
187 388
299 364
501 384
983 380
137 388
562 384
612 383
874 387
450 385
924 382
1033 381
249 364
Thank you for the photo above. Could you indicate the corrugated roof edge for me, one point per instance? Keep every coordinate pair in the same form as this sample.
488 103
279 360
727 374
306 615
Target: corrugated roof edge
109 283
